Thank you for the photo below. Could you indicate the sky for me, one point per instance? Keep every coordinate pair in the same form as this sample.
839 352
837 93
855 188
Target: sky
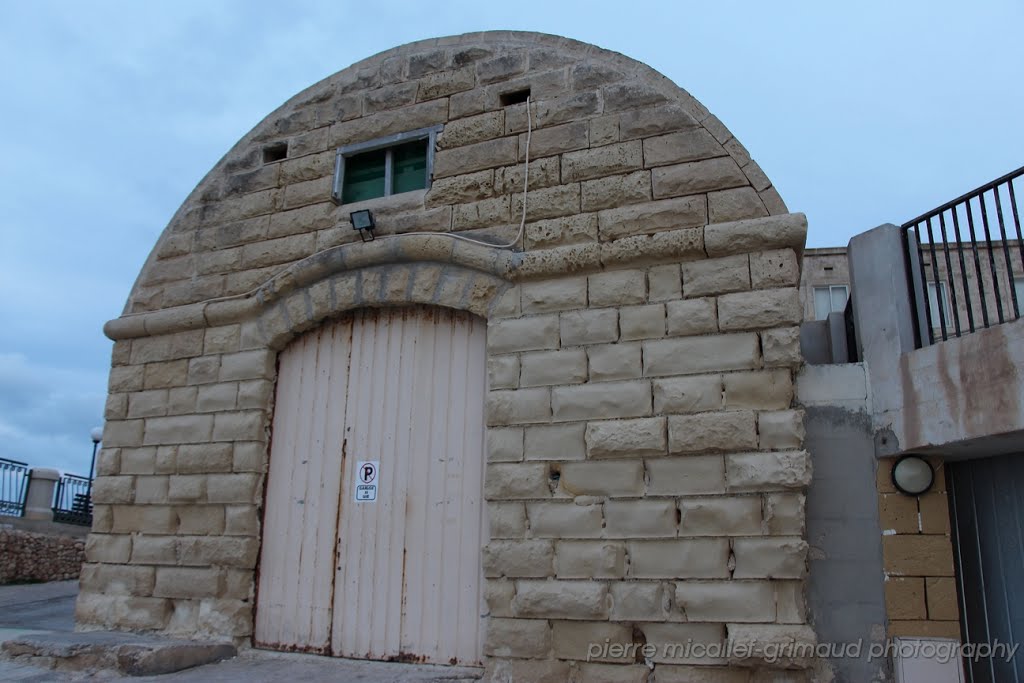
860 113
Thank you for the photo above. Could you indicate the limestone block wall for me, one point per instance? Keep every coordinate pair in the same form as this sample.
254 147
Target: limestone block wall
27 556
645 470
920 584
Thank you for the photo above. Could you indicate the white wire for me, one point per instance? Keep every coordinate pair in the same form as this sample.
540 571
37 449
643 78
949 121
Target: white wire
522 220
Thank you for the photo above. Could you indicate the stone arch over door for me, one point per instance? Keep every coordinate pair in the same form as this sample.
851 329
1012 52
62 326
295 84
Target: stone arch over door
398 576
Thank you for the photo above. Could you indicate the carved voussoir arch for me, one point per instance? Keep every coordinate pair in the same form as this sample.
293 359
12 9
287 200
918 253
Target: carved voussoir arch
433 283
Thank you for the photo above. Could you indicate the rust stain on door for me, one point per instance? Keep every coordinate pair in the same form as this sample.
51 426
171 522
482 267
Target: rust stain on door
402 578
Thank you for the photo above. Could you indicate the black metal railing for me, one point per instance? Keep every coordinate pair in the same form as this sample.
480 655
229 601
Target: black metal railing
966 262
71 504
13 487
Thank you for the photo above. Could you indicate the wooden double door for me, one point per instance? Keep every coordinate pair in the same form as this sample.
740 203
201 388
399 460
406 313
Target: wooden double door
374 512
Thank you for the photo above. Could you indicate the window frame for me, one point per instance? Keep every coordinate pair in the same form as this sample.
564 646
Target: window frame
386 143
814 303
938 295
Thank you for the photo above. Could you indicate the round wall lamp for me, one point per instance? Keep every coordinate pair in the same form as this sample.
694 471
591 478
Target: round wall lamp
912 475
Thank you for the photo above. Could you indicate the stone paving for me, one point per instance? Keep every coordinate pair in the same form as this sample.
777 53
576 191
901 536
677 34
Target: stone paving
47 610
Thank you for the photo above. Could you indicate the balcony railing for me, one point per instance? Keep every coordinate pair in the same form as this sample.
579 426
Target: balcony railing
71 504
13 487
966 262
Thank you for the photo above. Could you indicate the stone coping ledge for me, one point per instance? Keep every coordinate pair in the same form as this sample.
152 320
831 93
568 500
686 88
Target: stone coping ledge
125 653
709 241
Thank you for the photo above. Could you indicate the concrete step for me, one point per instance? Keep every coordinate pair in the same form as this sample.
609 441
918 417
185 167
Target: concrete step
122 653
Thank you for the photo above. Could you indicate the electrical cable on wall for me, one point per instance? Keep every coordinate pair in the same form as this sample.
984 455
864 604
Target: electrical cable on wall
526 186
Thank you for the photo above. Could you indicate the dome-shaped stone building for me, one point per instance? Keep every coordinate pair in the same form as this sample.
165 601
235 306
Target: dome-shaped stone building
376 395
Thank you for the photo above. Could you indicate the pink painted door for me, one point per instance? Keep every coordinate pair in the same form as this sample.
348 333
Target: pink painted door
402 389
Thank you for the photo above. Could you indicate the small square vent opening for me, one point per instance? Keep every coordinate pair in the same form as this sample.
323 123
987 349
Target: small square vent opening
275 152
515 97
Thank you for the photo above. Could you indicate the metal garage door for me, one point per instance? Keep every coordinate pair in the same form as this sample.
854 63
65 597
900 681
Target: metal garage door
987 500
397 577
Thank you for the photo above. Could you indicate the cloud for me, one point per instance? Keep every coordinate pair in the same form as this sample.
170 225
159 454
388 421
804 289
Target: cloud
46 412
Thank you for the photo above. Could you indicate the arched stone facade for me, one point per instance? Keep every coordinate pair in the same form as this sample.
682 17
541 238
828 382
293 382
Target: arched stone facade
645 468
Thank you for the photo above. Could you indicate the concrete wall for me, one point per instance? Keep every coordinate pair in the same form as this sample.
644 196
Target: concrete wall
846 590
645 468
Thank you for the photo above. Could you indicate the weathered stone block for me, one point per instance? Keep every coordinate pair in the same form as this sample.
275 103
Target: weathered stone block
554 295
601 400
771 558
725 601
651 217
618 288
696 394
664 283
233 488
765 389
615 191
523 334
759 309
640 518
720 516
555 442
504 444
562 231
781 347
150 490
498 595
626 438
518 559
553 367
689 475
112 490
248 425
508 520
486 213
713 431
684 559
530 638
258 364
589 327
610 478
642 123
518 406
460 189
561 600
716 276
115 549
691 317
692 355
477 156
687 145
615 361
639 601
698 176
472 129
179 429
601 161
555 140
760 471
774 268
642 322
573 639
565 520
780 430
733 205
549 202
510 481
590 560
203 458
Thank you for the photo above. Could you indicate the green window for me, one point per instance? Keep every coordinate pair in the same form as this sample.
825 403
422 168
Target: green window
380 168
